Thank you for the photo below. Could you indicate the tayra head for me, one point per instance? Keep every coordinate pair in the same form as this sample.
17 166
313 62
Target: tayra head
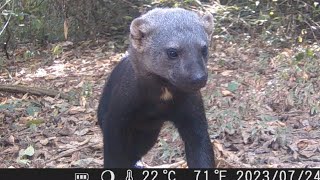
173 43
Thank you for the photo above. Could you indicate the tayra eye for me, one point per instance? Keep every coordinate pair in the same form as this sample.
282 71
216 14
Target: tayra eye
204 51
172 53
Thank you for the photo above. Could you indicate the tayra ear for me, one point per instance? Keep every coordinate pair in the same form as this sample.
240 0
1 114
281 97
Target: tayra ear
208 23
139 31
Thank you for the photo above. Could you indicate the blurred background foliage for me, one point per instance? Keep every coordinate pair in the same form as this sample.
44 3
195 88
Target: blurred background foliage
286 21
48 21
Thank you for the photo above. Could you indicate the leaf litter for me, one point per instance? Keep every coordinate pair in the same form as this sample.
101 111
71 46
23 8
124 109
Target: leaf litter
262 108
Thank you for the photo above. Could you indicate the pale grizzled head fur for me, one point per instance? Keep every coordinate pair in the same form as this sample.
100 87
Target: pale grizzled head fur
172 43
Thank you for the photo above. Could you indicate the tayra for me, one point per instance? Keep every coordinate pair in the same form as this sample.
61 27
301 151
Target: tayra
159 80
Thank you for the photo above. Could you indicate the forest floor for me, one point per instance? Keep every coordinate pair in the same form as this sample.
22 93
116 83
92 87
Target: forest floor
262 104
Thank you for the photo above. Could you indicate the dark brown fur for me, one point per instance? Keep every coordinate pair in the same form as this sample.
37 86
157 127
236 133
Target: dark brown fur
158 81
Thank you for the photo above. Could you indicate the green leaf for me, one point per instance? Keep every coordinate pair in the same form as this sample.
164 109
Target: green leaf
21 17
31 110
267 118
233 86
57 50
29 151
9 107
33 127
128 18
37 24
299 56
300 39
175 136
28 54
309 52
314 110
35 122
23 161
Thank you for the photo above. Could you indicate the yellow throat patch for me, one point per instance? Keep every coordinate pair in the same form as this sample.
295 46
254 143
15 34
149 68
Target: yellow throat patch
166 94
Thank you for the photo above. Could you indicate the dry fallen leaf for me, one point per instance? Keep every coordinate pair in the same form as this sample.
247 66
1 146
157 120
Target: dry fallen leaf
227 73
226 93
76 109
11 139
50 99
82 132
44 141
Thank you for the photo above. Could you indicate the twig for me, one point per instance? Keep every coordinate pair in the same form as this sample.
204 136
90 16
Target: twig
6 24
314 35
5 4
32 90
71 151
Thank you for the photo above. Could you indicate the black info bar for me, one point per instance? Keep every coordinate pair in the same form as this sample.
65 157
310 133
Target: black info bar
160 174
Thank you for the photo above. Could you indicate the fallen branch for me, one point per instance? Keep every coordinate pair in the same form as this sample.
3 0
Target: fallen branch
71 151
32 90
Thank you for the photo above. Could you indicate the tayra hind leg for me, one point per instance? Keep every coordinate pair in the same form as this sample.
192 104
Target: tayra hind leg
141 142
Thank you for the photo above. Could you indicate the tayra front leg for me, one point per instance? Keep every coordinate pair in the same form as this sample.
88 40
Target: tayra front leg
193 129
116 144
141 141
115 119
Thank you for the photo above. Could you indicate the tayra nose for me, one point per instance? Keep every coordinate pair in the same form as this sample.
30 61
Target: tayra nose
199 80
